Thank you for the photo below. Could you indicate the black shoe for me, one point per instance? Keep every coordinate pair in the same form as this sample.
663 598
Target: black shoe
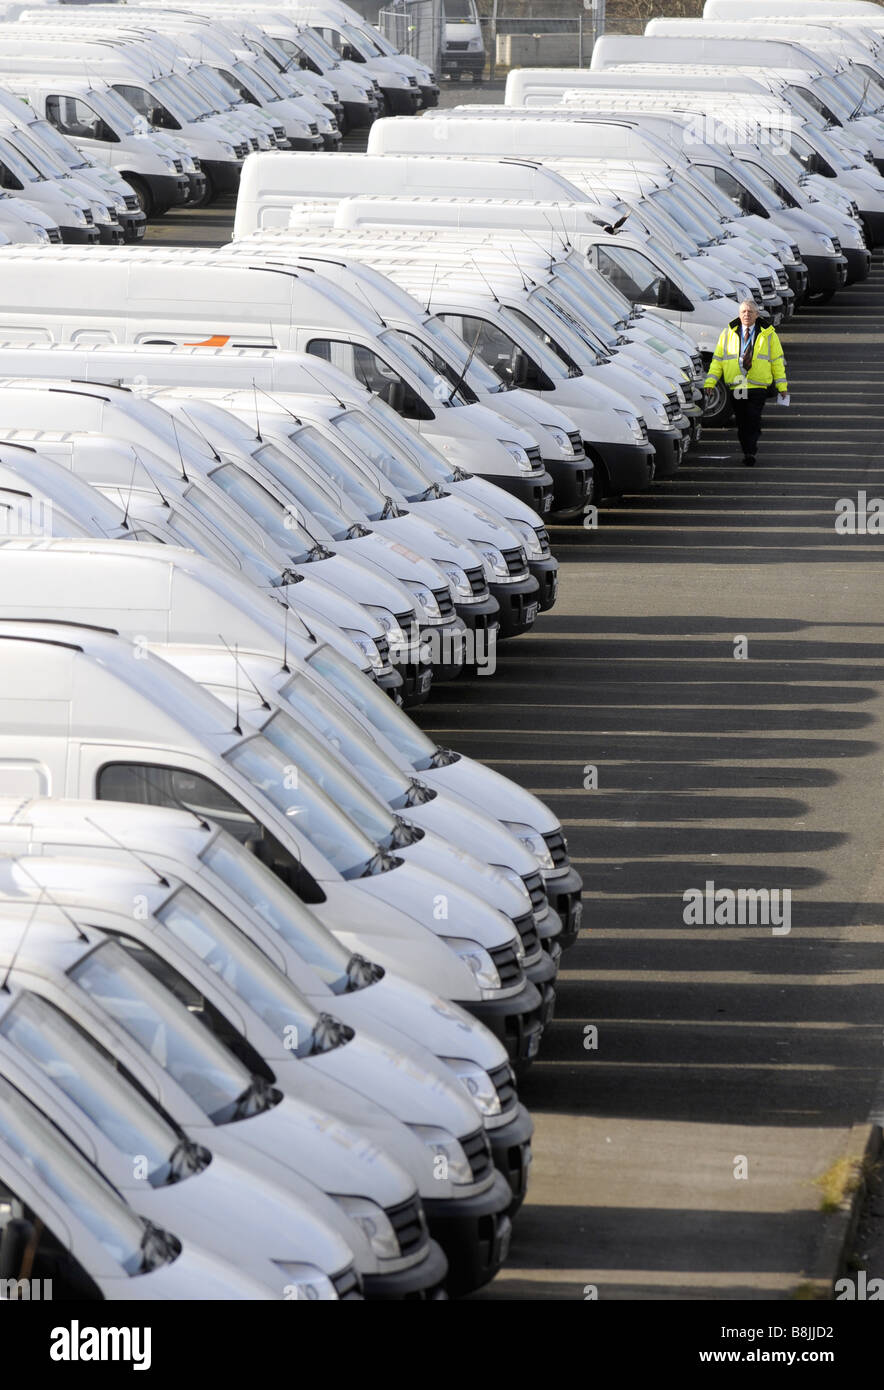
749 460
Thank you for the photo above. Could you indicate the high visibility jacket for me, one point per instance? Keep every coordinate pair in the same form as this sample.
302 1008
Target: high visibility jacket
767 366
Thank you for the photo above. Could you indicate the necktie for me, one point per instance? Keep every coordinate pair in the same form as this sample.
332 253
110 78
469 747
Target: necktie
746 356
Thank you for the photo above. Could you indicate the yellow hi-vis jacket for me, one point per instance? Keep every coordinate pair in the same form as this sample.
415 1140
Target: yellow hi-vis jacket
767 365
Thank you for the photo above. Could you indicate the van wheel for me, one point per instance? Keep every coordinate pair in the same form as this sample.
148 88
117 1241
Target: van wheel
718 408
142 193
209 194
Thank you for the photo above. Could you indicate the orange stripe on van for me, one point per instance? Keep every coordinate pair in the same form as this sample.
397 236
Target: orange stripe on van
217 340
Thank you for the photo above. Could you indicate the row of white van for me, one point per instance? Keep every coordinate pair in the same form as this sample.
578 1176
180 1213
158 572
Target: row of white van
104 123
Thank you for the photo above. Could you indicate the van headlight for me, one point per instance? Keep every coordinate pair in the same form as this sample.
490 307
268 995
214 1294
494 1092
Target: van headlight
367 646
444 1145
632 424
477 1081
827 245
529 536
227 150
78 216
425 597
387 620
374 1224
305 1281
476 958
564 443
456 578
517 453
493 559
532 840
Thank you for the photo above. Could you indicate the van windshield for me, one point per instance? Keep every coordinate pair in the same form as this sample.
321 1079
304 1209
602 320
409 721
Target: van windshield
260 890
374 706
349 739
457 351
309 811
429 459
124 118
253 82
277 522
334 464
54 1163
91 1080
330 515
22 168
46 163
367 439
181 99
305 751
150 1014
201 928
64 150
400 346
461 10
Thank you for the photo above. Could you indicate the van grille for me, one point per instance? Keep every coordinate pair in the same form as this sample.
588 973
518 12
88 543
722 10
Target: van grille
557 846
197 166
241 150
782 278
528 932
456 46
796 254
410 1225
506 963
347 1284
409 625
383 647
543 537
279 131
131 202
179 166
576 442
837 244
90 220
515 559
534 884
476 576
504 1083
54 234
672 405
697 365
766 283
444 600
533 453
478 1152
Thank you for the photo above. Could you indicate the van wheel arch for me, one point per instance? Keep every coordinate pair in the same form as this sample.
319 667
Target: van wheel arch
142 193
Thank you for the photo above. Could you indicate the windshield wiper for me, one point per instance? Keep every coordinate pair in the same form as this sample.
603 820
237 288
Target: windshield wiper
434 490
353 532
380 863
255 1099
362 972
390 509
318 552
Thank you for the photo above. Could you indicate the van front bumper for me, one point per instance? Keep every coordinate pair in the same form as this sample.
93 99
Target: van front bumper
669 448
309 142
224 174
430 95
359 113
511 1148
516 1021
519 605
171 190
462 61
402 101
425 1280
474 1232
133 225
573 484
80 236
873 222
546 571
535 488
825 274
111 234
859 263
796 274
565 894
627 468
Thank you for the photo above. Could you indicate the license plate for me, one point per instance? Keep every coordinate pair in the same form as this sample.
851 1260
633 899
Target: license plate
139 231
425 681
547 501
531 612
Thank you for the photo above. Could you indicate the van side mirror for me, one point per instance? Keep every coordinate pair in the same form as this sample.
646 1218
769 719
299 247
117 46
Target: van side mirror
15 1238
405 401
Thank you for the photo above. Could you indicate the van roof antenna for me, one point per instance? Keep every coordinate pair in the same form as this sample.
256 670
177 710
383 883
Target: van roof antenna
237 728
513 257
234 652
279 405
103 830
44 892
131 486
432 286
258 434
285 641
4 987
480 272
178 446
326 388
208 443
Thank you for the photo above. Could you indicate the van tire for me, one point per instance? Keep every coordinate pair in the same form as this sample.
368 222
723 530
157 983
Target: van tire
142 193
718 412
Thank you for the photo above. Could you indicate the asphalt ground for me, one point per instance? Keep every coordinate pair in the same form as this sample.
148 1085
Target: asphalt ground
717 656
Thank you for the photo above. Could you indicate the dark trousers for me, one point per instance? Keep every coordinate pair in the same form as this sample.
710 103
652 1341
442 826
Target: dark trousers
747 414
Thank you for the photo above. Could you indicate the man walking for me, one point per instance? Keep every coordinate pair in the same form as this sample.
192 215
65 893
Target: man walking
749 358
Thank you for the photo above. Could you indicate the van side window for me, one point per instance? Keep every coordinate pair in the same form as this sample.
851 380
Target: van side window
29 1250
372 371
8 179
147 105
76 118
150 784
498 351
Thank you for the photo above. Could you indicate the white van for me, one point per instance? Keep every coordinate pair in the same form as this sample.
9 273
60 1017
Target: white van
180 1186
335 980
108 1250
40 498
200 298
165 102
193 1080
105 128
69 211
